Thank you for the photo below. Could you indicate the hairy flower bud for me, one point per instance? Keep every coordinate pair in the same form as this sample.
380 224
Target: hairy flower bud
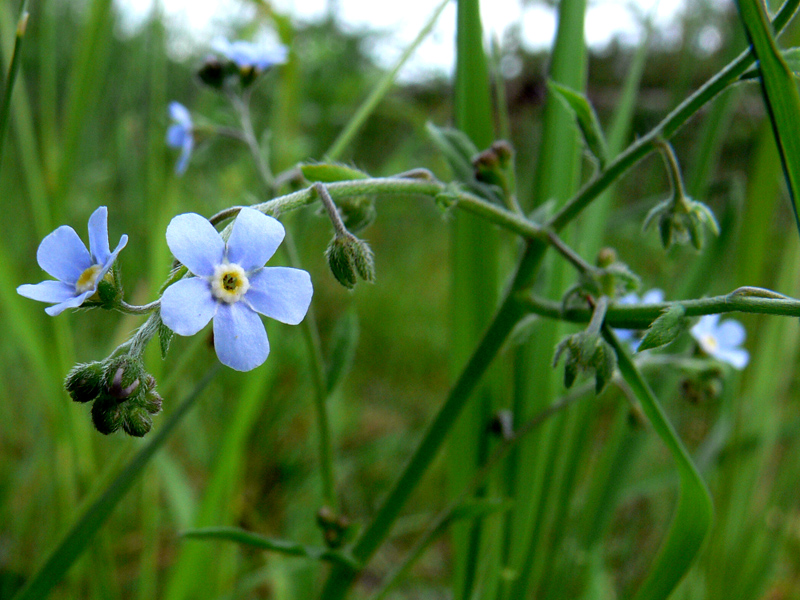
350 258
85 381
586 351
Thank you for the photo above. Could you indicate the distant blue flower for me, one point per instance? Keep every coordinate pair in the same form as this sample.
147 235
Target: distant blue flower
259 56
181 134
63 255
231 285
631 336
722 340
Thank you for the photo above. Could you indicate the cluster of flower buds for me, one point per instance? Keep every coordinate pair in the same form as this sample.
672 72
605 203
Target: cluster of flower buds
350 258
495 166
122 392
586 351
239 62
336 529
682 221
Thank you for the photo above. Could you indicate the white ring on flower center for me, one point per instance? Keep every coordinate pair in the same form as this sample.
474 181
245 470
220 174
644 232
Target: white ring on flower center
229 283
88 279
709 343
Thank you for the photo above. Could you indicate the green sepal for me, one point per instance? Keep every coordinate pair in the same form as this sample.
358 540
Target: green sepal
587 120
665 328
330 172
165 335
84 382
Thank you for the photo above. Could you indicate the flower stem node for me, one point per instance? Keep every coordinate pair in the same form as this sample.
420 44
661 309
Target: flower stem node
336 529
586 351
350 258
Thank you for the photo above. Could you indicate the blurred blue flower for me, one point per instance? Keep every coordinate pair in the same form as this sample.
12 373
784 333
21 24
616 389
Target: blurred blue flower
63 255
722 340
244 54
231 285
633 337
181 134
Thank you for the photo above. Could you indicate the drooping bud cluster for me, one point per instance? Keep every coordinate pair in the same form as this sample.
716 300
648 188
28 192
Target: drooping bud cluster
350 258
586 351
680 222
122 392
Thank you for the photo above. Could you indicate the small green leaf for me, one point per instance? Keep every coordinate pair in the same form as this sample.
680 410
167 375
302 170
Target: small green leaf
665 328
343 348
587 120
164 338
241 536
331 172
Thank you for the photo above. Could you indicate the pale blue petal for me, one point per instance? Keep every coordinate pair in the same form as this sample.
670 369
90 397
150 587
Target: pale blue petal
239 337
186 154
180 114
631 298
653 296
195 243
254 239
731 333
707 325
736 357
123 241
75 302
98 236
187 305
176 135
281 293
63 255
47 291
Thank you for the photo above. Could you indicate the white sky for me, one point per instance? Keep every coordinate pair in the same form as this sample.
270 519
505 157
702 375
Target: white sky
195 22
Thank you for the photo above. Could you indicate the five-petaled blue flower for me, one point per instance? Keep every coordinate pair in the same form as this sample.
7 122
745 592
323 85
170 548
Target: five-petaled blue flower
63 255
251 55
631 336
181 134
231 285
722 340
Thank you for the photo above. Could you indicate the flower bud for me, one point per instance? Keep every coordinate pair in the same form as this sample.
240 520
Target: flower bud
107 414
84 382
336 529
124 378
137 422
350 258
586 351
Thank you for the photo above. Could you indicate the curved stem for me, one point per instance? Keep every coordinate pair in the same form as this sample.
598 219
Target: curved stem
133 309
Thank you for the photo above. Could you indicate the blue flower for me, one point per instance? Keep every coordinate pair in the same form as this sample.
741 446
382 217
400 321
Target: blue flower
722 340
251 55
181 134
63 255
231 285
631 336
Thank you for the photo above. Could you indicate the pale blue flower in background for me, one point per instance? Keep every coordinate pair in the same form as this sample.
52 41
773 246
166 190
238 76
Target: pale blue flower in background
244 54
231 285
633 337
181 134
63 255
722 340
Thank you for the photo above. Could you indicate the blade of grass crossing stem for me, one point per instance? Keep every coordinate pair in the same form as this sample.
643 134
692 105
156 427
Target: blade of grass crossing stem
78 537
217 505
536 470
474 289
694 513
780 94
380 91
13 70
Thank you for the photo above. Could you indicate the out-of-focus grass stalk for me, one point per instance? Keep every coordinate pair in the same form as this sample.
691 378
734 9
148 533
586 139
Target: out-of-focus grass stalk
379 92
540 476
10 80
473 293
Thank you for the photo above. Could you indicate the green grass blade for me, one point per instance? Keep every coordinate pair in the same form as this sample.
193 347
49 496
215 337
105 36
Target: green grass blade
780 94
13 70
380 91
78 537
247 538
693 516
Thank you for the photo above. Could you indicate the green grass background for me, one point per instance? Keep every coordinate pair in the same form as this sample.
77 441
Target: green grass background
594 490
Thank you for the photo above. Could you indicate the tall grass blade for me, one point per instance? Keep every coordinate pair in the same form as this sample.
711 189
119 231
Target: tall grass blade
780 94
693 516
13 69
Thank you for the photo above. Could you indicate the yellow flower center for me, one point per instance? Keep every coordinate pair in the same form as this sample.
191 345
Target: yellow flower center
709 343
229 283
88 279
